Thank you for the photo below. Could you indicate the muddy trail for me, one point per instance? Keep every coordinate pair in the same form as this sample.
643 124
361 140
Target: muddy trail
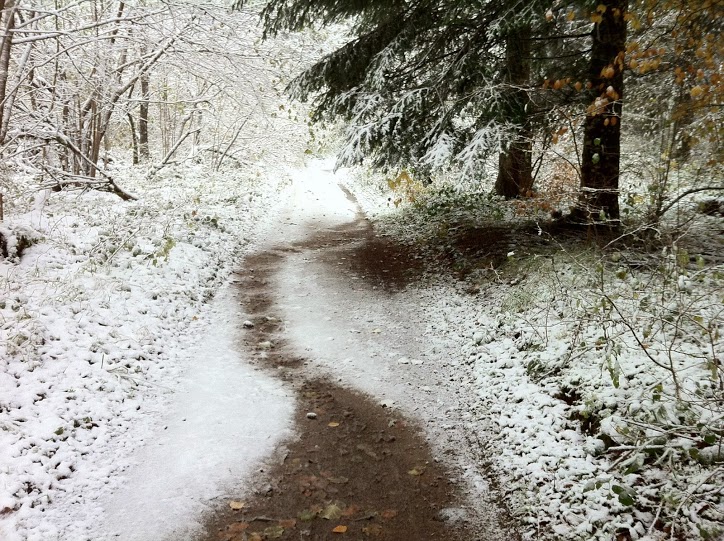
357 469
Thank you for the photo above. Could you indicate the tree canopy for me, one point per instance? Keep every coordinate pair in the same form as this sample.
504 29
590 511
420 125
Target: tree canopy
426 85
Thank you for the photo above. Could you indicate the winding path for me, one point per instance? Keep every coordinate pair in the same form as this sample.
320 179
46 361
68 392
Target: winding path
381 450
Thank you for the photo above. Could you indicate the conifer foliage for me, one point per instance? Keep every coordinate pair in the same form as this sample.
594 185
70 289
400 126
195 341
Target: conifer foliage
424 84
448 84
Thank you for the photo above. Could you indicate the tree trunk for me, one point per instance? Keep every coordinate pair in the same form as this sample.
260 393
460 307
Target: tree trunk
515 171
7 21
143 151
598 201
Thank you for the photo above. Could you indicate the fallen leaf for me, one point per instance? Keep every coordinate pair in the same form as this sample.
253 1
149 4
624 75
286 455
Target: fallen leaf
273 532
306 515
255 536
289 523
331 512
338 480
416 471
351 510
236 506
333 424
373 530
237 527
340 529
389 513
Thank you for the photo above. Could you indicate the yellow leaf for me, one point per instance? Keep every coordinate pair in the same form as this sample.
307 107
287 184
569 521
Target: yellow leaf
417 471
333 424
340 529
571 15
331 512
608 72
601 8
236 506
697 92
596 18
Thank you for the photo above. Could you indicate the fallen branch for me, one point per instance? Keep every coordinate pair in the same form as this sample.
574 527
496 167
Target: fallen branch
156 168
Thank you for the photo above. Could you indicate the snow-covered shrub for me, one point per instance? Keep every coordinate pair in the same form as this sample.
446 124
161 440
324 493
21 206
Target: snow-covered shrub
15 239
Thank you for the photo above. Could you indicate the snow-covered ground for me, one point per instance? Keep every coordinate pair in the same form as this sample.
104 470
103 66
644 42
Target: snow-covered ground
117 376
587 432
121 385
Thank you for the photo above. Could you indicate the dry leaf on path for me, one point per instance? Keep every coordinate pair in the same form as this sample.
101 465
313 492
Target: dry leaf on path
306 515
236 506
289 523
417 471
273 532
350 511
237 527
373 530
331 512
340 529
333 424
389 513
338 480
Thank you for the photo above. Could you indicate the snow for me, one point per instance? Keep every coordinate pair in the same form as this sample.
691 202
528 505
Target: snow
127 409
224 418
543 327
114 367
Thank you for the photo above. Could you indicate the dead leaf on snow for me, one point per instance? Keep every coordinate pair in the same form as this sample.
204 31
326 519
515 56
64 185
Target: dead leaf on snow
340 529
236 506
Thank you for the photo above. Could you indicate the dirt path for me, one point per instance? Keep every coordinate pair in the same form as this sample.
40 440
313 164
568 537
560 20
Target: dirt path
360 467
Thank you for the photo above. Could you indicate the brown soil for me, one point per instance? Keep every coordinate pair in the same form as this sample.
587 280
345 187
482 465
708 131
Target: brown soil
356 470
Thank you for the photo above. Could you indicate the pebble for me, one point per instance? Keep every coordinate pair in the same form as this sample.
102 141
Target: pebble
248 324
311 415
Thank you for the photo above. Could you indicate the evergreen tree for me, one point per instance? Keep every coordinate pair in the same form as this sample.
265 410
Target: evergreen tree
425 84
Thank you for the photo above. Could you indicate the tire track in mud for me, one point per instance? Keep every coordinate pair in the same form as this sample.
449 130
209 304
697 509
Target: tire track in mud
356 470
